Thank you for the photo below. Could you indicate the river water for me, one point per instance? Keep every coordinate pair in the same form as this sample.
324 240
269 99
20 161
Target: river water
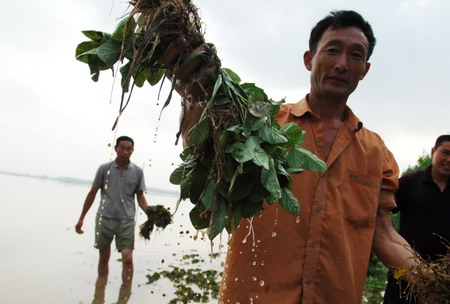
44 261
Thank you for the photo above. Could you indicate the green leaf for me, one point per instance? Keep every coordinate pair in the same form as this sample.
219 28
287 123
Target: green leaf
124 70
272 135
223 139
247 151
108 53
197 180
269 180
298 157
235 220
261 158
198 222
155 76
221 100
96 36
200 132
177 175
141 76
85 46
233 76
124 29
207 197
295 170
251 208
293 133
289 202
258 108
219 219
258 124
243 186
237 172
236 129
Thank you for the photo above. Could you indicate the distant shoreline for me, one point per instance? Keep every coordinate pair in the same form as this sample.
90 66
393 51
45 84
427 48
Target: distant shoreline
71 180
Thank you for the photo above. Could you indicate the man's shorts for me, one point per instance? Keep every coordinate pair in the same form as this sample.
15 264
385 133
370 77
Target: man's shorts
106 229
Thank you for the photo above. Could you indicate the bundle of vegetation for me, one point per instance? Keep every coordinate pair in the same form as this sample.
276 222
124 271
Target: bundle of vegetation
156 216
192 284
428 282
239 155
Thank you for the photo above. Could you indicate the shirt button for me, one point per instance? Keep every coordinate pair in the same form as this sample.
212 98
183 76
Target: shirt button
308 282
317 140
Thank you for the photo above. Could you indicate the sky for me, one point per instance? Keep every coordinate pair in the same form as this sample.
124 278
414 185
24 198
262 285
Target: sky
55 121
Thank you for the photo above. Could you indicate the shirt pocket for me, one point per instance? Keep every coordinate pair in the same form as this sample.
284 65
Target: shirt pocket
360 193
130 187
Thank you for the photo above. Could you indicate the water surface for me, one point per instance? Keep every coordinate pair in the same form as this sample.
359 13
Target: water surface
45 261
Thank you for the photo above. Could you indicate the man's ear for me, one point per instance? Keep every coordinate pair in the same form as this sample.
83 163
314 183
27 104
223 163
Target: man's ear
307 60
365 71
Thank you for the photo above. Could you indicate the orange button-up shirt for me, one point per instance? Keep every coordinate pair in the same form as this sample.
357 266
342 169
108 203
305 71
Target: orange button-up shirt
322 256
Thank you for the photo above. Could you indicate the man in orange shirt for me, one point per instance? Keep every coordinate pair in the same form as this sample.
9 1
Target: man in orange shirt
322 256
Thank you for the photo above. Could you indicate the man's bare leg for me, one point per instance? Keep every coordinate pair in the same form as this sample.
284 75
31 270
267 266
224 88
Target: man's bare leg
127 266
103 267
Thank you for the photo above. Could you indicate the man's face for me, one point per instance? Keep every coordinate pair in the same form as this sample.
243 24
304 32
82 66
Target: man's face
124 150
339 62
441 159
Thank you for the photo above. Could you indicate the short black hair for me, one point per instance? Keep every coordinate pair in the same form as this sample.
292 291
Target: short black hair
440 140
338 20
125 138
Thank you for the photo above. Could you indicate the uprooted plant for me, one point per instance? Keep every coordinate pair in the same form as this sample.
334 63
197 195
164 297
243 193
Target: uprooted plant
428 281
239 155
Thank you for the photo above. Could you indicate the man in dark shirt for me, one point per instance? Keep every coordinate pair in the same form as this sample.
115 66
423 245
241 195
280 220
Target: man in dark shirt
423 200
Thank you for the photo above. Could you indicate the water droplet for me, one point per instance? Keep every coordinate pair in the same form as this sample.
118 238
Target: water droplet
254 263
254 278
261 283
297 219
274 234
236 279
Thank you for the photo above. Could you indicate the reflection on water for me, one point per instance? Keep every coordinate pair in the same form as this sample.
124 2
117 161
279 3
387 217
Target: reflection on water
45 254
100 287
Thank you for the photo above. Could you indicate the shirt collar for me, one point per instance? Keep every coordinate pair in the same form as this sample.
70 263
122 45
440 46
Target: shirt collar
352 122
427 177
116 165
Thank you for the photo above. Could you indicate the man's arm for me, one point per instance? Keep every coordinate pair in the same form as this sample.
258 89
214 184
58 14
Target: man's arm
87 205
196 93
142 201
389 246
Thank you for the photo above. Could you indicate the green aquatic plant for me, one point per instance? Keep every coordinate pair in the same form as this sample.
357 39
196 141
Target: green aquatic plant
192 284
239 155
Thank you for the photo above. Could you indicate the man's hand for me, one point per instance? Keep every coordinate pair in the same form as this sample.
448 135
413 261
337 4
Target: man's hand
193 80
78 227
